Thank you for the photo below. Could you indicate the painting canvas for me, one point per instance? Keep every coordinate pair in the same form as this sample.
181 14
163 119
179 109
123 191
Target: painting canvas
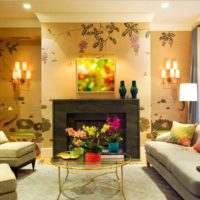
95 75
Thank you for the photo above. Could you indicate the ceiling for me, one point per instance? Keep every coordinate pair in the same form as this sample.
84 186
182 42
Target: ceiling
180 13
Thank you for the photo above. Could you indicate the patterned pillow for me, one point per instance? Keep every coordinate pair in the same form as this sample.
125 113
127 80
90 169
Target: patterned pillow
182 133
3 138
197 146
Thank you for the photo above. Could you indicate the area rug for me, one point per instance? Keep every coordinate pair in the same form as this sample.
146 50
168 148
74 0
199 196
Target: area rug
140 183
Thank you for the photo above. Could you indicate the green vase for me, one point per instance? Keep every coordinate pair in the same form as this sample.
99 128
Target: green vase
113 147
134 90
122 90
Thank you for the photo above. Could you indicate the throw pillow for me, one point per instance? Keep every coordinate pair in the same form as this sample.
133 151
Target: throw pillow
182 133
197 146
163 137
3 138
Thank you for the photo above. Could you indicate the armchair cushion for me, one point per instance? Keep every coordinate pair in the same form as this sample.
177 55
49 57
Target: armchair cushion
3 138
16 149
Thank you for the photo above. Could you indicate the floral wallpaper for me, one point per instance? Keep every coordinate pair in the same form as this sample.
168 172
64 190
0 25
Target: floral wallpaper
127 43
166 106
20 108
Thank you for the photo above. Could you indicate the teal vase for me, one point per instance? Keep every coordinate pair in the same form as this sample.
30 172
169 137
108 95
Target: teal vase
113 147
134 90
122 90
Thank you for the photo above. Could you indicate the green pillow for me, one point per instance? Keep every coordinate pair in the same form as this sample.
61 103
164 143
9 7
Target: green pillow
3 138
182 133
163 137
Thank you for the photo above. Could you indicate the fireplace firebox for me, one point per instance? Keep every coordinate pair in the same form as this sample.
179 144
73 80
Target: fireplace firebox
76 112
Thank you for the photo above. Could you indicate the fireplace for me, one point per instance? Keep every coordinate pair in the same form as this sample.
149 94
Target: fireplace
77 120
75 112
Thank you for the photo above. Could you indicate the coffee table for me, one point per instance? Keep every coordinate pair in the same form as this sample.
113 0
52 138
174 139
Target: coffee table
80 164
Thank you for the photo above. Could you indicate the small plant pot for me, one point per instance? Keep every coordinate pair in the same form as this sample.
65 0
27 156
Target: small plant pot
113 147
92 157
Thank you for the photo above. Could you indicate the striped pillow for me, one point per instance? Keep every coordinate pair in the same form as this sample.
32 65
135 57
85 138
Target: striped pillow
182 133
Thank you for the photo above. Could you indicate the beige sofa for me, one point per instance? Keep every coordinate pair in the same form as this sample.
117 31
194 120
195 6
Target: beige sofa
16 154
7 183
177 165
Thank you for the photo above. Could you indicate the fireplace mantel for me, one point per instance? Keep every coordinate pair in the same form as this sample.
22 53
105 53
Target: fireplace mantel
62 107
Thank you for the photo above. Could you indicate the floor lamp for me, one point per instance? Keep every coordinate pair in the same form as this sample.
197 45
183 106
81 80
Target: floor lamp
188 92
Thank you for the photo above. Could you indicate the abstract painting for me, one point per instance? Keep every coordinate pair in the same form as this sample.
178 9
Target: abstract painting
95 75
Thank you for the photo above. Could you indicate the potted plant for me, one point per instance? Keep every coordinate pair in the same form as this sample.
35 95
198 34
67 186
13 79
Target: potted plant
113 137
89 139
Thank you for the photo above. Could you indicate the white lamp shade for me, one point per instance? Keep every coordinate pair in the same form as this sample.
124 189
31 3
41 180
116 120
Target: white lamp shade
188 92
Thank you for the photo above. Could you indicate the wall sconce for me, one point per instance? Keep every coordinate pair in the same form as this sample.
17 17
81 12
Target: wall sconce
21 75
170 75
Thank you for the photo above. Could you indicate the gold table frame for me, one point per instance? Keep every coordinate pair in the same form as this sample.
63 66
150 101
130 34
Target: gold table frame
114 165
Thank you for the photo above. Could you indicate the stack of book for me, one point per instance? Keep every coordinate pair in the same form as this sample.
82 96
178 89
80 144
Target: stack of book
113 157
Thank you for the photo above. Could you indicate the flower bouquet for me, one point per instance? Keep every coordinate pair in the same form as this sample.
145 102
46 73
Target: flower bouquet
88 140
113 137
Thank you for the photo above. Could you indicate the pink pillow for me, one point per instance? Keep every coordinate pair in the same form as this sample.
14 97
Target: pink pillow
197 146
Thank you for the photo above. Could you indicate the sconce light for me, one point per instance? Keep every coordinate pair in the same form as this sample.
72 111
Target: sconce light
21 75
170 75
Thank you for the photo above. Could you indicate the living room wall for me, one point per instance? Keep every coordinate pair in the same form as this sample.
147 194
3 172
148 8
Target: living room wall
166 106
127 43
20 108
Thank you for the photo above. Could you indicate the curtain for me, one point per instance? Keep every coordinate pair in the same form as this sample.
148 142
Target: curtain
194 77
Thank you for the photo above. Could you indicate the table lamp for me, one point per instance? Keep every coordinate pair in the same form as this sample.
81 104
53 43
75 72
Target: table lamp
188 92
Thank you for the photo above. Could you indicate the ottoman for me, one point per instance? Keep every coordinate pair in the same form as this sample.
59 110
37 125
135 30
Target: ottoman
17 154
7 183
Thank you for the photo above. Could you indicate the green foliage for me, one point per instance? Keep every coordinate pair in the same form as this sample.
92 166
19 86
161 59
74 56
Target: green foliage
113 139
101 33
167 38
7 46
130 29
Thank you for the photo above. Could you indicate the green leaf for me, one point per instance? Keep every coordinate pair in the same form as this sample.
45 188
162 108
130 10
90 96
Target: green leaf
96 44
125 33
78 150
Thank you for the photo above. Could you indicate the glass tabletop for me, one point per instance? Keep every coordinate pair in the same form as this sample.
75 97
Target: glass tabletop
81 164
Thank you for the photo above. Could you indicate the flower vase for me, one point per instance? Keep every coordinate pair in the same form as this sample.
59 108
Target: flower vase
92 157
113 147
122 90
134 90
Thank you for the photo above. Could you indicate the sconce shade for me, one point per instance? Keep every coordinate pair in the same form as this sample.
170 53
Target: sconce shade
188 92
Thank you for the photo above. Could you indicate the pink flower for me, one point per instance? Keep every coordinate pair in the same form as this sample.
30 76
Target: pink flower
114 124
70 131
77 142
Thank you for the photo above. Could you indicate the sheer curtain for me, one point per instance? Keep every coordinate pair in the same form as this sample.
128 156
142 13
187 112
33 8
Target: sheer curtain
194 113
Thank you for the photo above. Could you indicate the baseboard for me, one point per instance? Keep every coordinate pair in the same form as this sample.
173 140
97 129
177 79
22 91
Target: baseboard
46 152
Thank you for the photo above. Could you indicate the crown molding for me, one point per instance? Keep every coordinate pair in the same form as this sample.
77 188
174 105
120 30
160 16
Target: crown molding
94 17
170 27
19 23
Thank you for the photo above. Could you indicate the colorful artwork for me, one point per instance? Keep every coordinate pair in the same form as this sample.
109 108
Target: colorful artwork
96 75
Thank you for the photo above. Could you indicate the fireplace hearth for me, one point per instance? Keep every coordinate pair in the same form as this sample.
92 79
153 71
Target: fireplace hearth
76 112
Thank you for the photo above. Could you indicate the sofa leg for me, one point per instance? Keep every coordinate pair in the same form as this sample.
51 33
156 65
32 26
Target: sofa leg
15 171
148 163
33 164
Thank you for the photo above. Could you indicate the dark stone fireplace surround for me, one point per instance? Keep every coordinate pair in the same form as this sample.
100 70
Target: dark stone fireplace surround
67 111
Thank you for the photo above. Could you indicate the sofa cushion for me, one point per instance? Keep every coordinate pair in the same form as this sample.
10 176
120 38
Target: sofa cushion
3 138
182 133
161 151
16 149
196 135
185 170
180 161
7 179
